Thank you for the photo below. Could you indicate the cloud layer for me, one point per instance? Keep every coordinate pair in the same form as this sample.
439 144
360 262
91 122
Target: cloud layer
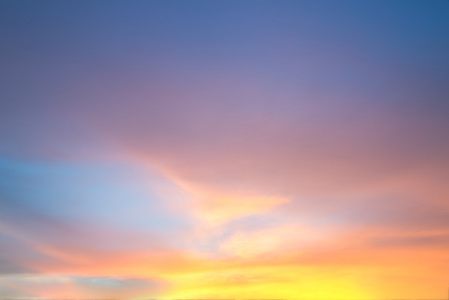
230 149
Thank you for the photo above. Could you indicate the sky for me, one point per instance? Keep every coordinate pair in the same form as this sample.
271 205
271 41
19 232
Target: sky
224 149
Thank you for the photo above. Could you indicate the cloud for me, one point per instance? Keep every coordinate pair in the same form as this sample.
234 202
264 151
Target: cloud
104 287
437 241
8 267
66 286
148 146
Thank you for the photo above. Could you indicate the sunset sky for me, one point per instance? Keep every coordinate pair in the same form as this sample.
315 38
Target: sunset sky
224 149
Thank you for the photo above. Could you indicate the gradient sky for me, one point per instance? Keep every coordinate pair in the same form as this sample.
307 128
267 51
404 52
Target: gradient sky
224 149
